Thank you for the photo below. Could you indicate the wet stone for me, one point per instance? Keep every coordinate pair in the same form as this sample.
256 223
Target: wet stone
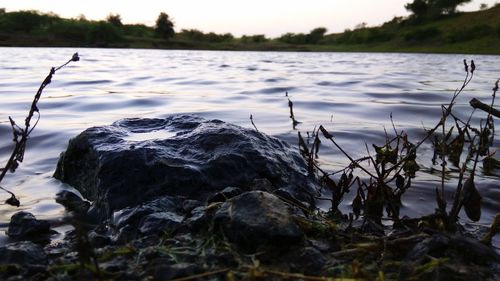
188 205
25 226
133 216
225 194
309 261
25 253
72 202
462 258
194 158
199 219
159 223
258 219
440 245
98 240
125 235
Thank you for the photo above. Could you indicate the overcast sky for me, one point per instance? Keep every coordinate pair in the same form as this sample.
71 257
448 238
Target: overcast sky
269 17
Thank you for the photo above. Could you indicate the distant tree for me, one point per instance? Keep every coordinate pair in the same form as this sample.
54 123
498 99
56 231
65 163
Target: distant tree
419 8
293 38
217 38
227 37
483 6
448 7
114 19
137 30
425 9
164 26
313 37
103 33
361 25
25 21
316 35
71 29
258 38
81 17
213 37
2 11
192 34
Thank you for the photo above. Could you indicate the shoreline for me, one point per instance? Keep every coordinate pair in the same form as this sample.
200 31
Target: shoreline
284 50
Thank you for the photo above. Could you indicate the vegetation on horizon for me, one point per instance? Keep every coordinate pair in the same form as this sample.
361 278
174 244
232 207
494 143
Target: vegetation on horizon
433 26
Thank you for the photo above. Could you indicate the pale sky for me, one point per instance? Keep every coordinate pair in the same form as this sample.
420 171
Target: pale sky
270 17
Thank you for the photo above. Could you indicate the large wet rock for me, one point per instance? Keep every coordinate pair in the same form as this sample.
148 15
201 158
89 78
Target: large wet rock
258 219
136 160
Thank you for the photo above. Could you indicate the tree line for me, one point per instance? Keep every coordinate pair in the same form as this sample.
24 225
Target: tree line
112 31
80 29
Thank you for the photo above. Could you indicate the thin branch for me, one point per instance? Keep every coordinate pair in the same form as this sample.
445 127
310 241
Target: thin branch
327 135
251 120
19 148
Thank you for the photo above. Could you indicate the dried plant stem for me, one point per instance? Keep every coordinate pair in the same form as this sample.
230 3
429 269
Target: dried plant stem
328 136
251 120
446 113
21 135
201 275
475 103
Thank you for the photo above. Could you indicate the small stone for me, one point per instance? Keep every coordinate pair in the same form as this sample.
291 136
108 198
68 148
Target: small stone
225 194
167 272
454 247
98 240
72 202
24 225
132 216
465 258
125 235
160 223
24 253
310 261
262 185
199 219
258 219
189 204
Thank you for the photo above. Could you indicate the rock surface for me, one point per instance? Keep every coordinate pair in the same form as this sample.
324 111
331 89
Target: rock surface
72 202
440 245
25 226
136 160
258 219
24 253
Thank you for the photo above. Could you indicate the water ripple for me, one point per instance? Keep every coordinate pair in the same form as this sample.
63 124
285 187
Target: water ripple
353 94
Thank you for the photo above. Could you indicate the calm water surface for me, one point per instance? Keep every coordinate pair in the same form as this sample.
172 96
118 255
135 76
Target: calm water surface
351 94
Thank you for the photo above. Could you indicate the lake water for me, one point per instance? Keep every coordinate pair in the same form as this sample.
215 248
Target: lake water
351 94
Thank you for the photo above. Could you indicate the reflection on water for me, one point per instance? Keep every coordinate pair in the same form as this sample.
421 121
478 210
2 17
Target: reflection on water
351 94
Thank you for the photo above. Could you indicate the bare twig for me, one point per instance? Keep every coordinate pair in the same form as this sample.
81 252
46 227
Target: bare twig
329 136
21 135
475 103
251 120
